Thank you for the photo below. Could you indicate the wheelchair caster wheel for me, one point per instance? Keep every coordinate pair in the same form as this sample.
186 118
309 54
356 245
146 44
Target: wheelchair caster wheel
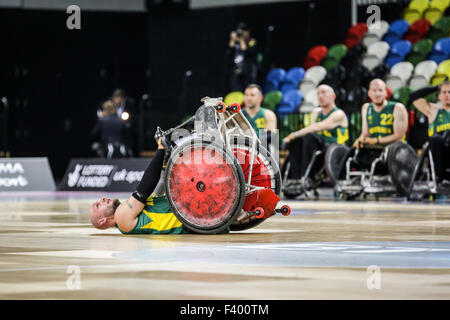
259 212
235 107
316 194
285 210
220 107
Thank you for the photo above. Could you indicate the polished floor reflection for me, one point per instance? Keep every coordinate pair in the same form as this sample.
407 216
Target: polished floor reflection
323 250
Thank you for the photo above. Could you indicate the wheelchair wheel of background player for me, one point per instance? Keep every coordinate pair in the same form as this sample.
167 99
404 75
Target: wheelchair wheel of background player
204 186
401 161
418 169
265 171
335 158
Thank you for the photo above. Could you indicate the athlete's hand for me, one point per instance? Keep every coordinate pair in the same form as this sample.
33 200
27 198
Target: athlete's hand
289 138
371 141
358 144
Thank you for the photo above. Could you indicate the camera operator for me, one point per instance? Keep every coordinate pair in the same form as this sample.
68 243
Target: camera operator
242 52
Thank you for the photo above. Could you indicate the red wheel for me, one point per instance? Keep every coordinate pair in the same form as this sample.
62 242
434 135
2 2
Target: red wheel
235 107
285 210
204 186
221 107
260 214
265 172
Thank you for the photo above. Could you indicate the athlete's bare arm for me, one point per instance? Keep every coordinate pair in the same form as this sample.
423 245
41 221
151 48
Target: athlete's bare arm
271 120
400 125
334 120
430 110
364 127
127 213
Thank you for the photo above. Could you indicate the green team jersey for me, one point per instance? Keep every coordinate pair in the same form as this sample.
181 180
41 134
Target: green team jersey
157 218
258 121
336 135
381 124
441 123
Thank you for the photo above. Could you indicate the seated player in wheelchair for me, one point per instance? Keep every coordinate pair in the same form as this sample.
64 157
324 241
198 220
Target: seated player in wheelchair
438 130
307 146
380 160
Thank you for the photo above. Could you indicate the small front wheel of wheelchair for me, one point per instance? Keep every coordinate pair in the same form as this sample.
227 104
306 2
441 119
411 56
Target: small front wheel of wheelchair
316 194
259 212
285 210
343 196
220 107
235 107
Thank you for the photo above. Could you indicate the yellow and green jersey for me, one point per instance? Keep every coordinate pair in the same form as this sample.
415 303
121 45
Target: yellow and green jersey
157 218
440 124
336 135
381 124
258 121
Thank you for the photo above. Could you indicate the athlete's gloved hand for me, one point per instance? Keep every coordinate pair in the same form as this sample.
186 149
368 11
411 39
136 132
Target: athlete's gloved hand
161 139
158 133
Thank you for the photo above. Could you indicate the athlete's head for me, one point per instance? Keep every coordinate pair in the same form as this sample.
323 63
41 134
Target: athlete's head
377 91
102 212
253 96
325 95
444 93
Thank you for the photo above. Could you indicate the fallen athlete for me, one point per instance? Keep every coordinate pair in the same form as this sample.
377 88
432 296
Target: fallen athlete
143 212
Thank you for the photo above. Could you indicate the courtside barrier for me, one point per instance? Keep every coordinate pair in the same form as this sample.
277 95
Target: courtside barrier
26 174
95 174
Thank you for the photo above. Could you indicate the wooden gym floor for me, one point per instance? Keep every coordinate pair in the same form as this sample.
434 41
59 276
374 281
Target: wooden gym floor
323 250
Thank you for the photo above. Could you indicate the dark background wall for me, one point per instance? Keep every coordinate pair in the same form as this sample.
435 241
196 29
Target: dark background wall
55 78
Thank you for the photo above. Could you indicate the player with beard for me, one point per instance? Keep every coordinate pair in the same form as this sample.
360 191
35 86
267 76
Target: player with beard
141 213
438 127
383 122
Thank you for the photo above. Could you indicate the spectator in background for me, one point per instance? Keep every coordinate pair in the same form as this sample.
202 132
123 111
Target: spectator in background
110 132
125 109
242 54
124 105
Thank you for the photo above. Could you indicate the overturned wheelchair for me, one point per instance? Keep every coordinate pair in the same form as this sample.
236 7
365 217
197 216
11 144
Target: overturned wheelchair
218 174
396 170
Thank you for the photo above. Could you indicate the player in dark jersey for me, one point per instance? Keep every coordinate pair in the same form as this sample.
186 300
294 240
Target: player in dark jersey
438 127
